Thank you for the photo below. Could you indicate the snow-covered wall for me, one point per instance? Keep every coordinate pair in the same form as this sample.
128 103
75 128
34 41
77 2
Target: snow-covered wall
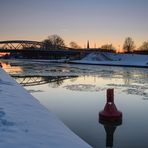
25 123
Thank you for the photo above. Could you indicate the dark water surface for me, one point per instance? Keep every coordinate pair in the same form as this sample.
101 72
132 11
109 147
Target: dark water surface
77 93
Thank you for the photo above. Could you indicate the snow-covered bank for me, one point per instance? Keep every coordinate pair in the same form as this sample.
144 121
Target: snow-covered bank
25 123
131 60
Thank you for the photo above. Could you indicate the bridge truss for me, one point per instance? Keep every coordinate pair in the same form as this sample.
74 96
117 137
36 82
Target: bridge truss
20 44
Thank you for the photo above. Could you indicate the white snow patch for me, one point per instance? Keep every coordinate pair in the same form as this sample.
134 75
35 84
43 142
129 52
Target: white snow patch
104 58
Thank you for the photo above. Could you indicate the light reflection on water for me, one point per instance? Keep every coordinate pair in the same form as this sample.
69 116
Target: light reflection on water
76 93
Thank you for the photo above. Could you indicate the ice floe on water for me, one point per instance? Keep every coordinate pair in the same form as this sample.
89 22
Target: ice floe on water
83 87
34 91
133 78
133 89
139 92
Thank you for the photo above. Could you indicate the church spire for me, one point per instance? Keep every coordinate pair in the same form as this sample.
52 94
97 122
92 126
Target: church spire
88 44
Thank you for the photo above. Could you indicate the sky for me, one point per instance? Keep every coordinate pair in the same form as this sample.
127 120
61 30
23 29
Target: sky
99 21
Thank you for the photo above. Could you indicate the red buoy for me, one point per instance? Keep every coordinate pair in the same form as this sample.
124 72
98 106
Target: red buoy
110 112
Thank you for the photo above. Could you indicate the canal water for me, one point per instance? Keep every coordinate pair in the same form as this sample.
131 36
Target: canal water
77 93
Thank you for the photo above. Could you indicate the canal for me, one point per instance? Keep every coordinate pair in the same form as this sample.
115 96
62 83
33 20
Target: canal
77 93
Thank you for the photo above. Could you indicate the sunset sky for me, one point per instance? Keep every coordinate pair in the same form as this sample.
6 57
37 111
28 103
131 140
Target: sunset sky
99 21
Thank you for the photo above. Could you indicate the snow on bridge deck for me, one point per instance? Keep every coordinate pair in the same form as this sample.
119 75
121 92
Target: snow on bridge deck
25 123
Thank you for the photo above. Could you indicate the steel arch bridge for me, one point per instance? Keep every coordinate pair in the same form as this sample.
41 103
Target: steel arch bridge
20 44
37 50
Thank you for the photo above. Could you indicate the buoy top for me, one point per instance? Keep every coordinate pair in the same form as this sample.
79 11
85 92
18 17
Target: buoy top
110 95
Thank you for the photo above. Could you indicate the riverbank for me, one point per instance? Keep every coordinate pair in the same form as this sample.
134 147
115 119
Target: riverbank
96 58
25 123
114 59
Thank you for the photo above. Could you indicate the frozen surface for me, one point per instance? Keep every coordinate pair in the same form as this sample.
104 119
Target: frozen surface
25 123
83 87
80 98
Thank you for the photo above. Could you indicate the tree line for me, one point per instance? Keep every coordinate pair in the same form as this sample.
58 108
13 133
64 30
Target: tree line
56 42
129 45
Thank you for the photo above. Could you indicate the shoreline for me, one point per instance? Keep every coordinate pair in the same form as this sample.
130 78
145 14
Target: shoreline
116 65
24 122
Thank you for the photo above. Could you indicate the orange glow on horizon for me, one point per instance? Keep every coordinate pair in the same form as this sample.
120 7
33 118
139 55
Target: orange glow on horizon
8 67
95 42
4 53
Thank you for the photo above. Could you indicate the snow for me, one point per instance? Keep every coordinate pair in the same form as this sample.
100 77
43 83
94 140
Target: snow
104 58
25 123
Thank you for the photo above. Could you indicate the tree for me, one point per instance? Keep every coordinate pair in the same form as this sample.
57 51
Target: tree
108 47
47 44
144 46
54 42
128 45
74 45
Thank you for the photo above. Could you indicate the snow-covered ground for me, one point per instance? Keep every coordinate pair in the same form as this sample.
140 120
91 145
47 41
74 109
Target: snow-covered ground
104 58
25 123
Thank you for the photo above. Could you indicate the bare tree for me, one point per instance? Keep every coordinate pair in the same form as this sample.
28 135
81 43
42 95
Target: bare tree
54 42
47 44
144 46
74 45
128 45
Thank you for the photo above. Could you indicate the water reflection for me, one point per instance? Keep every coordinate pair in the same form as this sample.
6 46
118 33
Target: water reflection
110 128
53 81
132 81
8 68
77 100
